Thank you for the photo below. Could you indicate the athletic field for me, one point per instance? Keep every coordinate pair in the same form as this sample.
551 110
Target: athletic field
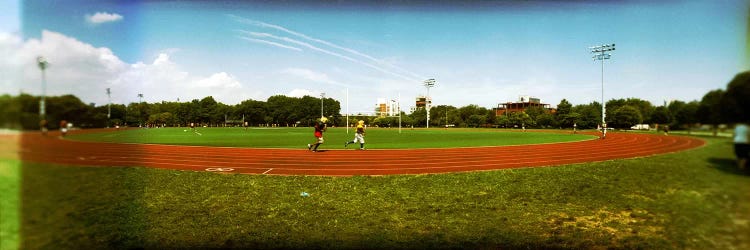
410 152
625 191
376 138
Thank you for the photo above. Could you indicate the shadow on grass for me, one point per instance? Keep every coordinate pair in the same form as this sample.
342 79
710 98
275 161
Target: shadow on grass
728 166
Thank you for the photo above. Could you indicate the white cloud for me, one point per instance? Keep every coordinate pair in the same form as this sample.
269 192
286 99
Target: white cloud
310 75
72 65
83 70
103 17
164 80
218 80
300 93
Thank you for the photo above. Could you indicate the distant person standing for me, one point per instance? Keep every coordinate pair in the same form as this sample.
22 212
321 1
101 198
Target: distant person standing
320 127
741 144
359 136
63 128
43 126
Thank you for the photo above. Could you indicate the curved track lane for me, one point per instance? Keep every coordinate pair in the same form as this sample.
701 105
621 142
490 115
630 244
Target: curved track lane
50 149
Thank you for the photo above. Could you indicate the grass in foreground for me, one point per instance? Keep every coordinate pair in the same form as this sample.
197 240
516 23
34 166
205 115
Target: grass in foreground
376 138
10 182
9 201
693 199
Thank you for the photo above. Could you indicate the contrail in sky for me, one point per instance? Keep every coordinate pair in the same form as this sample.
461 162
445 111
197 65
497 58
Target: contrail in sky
411 76
310 46
270 43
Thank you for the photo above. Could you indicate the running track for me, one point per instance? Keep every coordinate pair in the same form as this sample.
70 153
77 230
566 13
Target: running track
50 149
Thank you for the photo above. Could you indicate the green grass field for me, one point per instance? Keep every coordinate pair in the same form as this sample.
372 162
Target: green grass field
694 199
376 138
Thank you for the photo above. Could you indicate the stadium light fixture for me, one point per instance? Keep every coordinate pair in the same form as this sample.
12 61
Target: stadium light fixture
322 96
140 98
429 83
599 54
109 109
43 64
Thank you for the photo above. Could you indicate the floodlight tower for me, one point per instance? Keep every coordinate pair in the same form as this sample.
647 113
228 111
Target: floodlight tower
109 109
599 54
140 98
322 96
43 64
429 83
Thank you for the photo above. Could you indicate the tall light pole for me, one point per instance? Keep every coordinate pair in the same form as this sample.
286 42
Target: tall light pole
429 83
599 54
43 64
347 110
399 112
322 96
140 100
109 109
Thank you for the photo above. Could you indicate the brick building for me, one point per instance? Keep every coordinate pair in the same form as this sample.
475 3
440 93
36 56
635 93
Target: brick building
520 106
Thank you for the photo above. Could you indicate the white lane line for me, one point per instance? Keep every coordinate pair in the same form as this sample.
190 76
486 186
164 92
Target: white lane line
269 170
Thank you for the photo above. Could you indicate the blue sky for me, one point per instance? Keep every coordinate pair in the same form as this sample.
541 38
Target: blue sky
479 53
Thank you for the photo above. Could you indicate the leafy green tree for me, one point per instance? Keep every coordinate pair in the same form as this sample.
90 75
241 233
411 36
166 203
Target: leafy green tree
589 115
490 117
685 115
438 115
253 111
563 109
736 101
570 119
625 117
535 112
709 110
419 118
504 121
545 120
282 109
475 121
661 115
332 109
10 112
644 107
519 119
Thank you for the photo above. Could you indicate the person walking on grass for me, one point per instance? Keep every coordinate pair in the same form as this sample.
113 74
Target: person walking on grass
359 136
741 144
320 127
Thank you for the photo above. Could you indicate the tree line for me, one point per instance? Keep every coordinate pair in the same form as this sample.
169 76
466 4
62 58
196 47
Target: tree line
22 112
716 107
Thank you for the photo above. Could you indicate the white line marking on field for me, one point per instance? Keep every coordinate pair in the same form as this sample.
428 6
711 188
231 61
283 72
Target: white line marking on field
220 169
198 133
269 170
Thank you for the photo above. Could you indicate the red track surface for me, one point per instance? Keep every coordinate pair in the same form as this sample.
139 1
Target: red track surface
50 149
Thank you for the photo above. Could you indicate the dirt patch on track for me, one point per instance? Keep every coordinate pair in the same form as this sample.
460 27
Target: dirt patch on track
50 149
